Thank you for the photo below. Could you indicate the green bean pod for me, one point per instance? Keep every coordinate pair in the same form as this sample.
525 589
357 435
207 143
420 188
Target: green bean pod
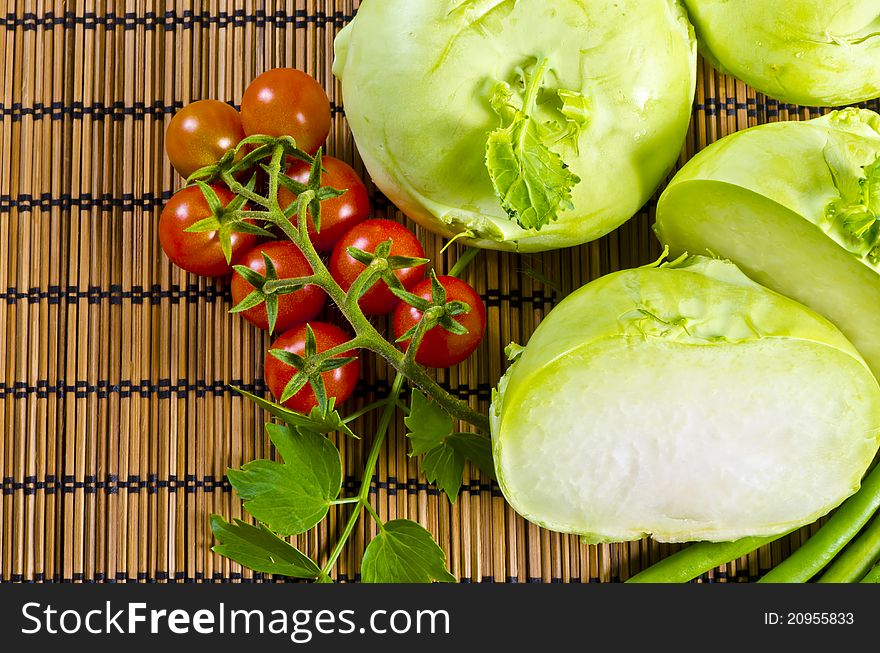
857 559
697 559
872 576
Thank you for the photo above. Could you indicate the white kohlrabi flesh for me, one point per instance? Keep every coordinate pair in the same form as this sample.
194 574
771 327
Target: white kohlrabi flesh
812 52
796 205
684 402
518 124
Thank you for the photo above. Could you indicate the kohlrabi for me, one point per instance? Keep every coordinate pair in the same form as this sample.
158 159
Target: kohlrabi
796 205
686 402
518 124
812 52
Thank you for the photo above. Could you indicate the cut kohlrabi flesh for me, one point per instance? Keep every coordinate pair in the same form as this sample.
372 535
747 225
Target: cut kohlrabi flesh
684 402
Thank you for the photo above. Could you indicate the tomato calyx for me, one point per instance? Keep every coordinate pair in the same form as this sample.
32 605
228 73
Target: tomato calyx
380 266
226 220
310 367
308 195
436 312
267 289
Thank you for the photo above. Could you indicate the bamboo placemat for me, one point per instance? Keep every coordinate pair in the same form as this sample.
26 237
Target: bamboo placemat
117 420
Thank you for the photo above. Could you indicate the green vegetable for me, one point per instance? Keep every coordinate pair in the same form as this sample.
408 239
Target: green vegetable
686 402
801 51
821 548
697 559
872 576
797 207
518 124
857 558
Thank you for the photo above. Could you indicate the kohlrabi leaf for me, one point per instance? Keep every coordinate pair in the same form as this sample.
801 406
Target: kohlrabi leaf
258 548
404 552
293 496
532 181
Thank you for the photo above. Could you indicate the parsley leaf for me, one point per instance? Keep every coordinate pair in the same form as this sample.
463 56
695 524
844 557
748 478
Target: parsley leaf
445 452
404 552
291 497
259 549
532 181
427 422
443 466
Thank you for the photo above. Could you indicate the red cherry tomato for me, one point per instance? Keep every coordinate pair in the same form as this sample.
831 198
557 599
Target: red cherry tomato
439 347
339 214
378 300
287 102
293 308
339 383
200 134
199 253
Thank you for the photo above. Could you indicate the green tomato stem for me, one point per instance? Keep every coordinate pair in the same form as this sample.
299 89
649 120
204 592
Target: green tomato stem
843 526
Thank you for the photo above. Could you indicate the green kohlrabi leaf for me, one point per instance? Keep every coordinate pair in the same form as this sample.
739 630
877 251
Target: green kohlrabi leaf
293 496
404 552
257 548
532 181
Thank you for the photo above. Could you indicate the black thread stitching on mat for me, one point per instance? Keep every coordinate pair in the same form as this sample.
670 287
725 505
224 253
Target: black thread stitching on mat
115 295
26 202
115 111
771 108
166 389
189 484
172 20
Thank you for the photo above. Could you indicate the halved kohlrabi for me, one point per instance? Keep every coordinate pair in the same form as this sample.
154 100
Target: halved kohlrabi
817 53
519 124
685 402
796 205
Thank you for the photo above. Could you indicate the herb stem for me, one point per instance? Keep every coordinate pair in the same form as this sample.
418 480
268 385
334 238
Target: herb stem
363 496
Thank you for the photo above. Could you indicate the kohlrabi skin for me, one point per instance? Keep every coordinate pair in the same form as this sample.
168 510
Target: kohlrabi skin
810 52
684 402
796 205
518 124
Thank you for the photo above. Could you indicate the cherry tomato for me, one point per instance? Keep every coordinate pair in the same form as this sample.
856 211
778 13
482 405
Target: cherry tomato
439 347
339 214
200 134
199 253
296 307
286 101
378 300
339 383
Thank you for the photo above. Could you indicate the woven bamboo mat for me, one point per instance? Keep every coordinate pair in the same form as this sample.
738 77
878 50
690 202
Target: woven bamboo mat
117 422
